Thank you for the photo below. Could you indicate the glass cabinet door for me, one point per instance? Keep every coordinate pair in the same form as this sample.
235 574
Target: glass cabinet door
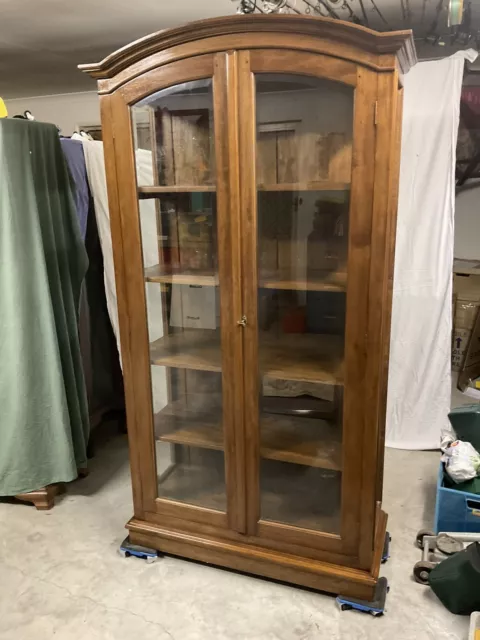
303 168
173 133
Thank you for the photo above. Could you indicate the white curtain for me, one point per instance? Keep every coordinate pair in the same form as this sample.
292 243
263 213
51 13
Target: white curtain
419 377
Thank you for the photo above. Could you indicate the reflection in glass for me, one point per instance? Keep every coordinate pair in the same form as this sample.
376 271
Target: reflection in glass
175 126
173 132
304 159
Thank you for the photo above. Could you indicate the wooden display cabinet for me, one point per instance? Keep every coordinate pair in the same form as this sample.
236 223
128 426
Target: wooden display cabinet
252 166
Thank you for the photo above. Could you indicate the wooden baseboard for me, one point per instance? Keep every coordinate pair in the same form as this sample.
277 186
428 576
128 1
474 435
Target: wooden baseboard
257 560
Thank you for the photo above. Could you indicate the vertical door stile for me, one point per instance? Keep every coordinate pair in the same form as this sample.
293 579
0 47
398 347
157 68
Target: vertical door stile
226 106
250 285
132 318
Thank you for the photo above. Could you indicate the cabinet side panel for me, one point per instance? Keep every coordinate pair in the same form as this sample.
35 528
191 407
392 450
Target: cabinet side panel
378 313
122 306
390 260
356 348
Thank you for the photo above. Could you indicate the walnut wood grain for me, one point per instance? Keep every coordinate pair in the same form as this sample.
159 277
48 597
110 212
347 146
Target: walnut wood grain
381 519
313 280
306 63
386 175
321 554
136 449
226 107
43 499
299 440
250 251
346 33
396 142
357 353
278 279
165 274
245 556
318 185
285 544
303 357
156 191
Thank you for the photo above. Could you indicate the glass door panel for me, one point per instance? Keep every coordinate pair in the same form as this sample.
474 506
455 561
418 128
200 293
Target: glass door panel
304 166
175 162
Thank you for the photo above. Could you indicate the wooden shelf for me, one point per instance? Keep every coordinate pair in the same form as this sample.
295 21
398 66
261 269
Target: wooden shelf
302 357
305 357
162 274
304 441
281 279
151 192
324 185
195 422
197 349
314 281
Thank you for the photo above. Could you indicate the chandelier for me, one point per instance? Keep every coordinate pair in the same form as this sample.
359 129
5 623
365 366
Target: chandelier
326 8
449 22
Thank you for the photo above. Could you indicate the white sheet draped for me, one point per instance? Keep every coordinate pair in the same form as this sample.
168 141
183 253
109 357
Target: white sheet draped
419 376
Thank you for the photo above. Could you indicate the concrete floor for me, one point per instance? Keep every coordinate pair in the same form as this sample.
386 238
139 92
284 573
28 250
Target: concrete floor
61 576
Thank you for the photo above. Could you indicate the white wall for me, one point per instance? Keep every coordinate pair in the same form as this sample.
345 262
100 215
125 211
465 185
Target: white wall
67 110
467 222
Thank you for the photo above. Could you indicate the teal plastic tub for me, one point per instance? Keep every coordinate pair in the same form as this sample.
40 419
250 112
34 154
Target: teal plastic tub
466 423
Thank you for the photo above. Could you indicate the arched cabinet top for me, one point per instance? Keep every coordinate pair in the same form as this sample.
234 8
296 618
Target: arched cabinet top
280 30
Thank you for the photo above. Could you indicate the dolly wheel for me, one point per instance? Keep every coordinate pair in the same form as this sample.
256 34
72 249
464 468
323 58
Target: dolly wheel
421 571
421 535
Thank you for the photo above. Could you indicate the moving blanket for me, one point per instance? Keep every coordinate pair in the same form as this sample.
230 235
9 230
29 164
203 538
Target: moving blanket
43 407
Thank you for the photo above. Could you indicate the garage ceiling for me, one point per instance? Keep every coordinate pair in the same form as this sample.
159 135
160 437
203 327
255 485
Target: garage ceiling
39 56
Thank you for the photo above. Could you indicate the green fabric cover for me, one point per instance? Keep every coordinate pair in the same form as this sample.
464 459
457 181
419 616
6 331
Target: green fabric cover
43 407
456 581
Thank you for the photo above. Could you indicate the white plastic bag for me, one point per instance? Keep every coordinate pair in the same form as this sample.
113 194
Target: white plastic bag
462 460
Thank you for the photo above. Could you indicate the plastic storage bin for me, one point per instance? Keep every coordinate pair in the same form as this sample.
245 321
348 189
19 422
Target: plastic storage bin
456 510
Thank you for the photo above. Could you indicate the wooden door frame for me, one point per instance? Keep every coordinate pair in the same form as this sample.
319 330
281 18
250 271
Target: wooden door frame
356 528
130 283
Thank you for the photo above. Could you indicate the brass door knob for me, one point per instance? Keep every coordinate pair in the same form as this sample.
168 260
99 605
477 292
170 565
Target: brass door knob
242 322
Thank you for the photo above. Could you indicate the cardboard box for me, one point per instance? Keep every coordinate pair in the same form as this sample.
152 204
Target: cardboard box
466 297
465 315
